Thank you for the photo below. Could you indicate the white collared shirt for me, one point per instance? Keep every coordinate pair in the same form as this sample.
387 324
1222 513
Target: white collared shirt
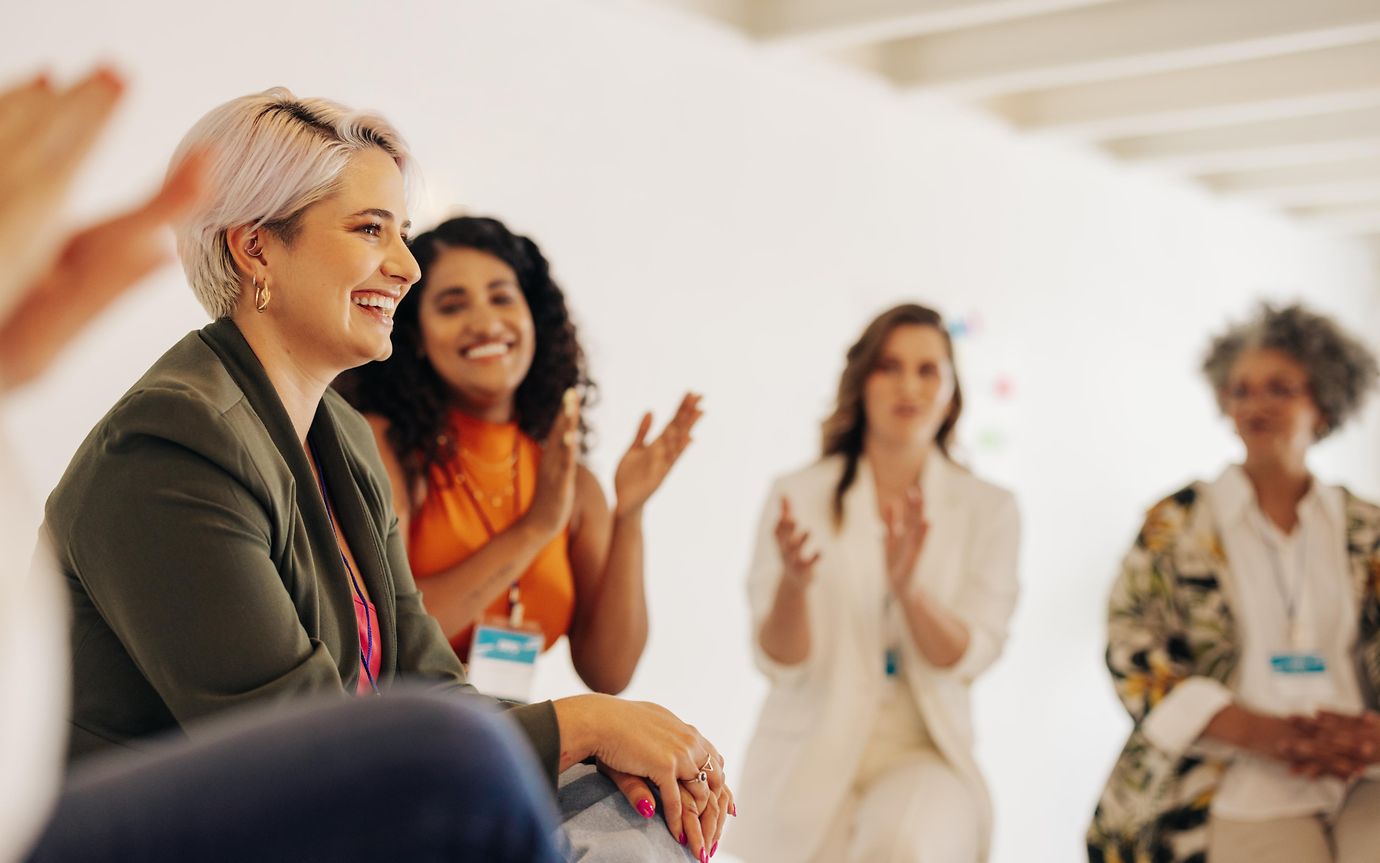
1287 593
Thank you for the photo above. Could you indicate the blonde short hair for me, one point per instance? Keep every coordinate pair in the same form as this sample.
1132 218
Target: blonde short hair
272 156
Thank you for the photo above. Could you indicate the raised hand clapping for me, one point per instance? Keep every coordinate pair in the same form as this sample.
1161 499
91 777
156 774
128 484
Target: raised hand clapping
645 465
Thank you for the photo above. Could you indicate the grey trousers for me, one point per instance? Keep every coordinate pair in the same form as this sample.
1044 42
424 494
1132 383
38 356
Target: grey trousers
604 828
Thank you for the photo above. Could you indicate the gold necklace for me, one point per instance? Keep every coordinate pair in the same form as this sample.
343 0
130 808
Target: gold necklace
474 490
475 461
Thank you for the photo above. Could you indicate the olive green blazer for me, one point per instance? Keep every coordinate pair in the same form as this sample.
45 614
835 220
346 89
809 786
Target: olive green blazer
203 571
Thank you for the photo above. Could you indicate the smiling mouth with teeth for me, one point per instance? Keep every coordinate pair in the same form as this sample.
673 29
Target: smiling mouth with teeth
377 302
486 351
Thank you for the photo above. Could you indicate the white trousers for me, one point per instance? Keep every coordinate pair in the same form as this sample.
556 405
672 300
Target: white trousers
1353 837
907 804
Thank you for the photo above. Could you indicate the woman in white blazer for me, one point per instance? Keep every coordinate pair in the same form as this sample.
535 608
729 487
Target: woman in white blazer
881 587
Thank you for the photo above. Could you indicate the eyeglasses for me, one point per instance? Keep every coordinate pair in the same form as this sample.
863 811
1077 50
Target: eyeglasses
1274 392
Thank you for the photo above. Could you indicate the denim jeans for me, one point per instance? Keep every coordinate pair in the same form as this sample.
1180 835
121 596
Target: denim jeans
406 777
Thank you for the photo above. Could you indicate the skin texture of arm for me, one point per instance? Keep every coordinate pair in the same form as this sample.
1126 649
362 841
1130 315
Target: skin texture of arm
784 635
609 630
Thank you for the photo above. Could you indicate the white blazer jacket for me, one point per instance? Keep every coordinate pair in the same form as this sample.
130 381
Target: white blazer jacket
815 722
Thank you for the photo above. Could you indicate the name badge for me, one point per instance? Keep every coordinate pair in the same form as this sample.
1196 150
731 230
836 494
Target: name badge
892 662
503 661
1301 674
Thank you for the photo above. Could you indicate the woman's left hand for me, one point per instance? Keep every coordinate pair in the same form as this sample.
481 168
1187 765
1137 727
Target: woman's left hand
702 821
645 465
906 528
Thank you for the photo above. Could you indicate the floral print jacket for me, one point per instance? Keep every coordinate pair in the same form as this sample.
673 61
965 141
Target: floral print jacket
1168 620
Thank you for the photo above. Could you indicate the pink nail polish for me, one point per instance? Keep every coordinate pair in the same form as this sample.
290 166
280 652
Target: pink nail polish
733 809
704 856
645 807
683 839
713 850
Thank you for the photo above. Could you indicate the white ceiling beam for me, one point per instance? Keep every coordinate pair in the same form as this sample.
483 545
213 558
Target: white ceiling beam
1326 184
735 13
832 25
1328 172
1319 194
1268 143
1358 218
1312 82
1114 40
1323 211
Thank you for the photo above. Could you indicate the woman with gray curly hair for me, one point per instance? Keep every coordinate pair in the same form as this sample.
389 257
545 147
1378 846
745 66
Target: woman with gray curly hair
1244 629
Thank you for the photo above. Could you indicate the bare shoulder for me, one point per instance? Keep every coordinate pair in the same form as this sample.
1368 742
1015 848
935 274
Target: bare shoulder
380 426
379 423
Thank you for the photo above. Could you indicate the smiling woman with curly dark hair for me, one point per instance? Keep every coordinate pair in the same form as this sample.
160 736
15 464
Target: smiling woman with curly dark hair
407 390
486 363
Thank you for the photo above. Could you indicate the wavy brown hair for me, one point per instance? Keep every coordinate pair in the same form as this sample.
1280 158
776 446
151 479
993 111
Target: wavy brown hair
406 389
844 431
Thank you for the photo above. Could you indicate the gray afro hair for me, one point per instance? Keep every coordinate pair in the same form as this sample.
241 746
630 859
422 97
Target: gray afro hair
1341 370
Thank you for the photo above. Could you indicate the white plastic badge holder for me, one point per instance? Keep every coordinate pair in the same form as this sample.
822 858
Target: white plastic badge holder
1301 676
503 661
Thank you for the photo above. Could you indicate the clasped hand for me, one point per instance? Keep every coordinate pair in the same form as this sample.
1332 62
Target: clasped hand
662 750
1329 744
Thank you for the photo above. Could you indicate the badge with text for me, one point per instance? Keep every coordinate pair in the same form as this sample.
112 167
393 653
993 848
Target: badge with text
1301 674
503 660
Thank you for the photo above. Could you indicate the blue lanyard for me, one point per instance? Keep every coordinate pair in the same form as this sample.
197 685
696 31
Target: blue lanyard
366 655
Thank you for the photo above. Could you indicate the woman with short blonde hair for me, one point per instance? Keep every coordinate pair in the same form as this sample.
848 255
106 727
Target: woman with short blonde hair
227 528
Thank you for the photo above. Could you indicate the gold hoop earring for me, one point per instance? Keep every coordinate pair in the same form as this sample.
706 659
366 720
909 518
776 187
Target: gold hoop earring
261 296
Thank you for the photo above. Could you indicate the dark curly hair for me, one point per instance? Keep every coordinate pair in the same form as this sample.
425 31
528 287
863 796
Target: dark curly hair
843 432
406 389
1341 370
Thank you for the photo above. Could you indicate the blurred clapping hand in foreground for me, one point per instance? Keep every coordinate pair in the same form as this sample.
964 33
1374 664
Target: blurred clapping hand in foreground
53 285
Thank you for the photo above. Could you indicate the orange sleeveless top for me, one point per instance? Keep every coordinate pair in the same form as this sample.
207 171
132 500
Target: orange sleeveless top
446 529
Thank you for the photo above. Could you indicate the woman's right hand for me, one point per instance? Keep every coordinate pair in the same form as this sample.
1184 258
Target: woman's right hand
554 497
1292 740
646 740
799 569
700 829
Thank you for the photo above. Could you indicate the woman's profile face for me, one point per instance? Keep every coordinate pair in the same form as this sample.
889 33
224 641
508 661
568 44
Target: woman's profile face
477 330
910 388
335 284
1271 404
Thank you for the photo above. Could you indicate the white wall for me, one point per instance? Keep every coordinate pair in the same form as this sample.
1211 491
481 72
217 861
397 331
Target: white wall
726 219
